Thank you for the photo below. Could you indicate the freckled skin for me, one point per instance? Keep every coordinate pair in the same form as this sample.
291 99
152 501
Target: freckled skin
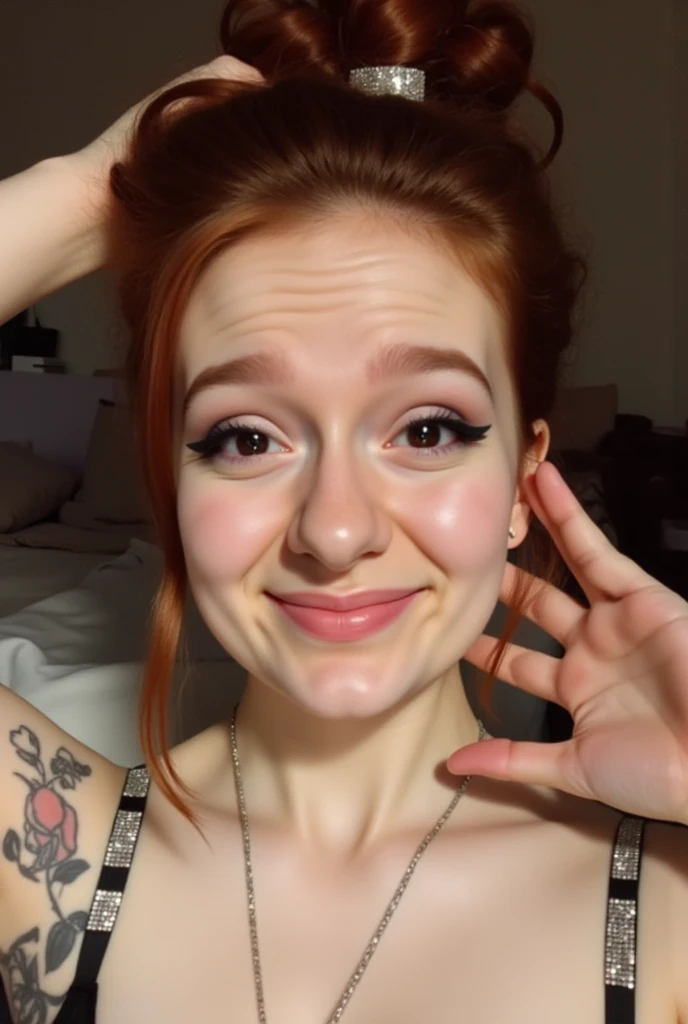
334 505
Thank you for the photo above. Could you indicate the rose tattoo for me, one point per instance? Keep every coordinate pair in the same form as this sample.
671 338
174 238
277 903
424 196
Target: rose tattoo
50 836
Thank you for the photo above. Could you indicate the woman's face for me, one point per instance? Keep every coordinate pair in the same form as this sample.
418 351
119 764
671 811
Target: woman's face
341 478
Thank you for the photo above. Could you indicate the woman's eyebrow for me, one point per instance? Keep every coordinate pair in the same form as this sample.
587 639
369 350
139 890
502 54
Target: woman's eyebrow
405 360
395 361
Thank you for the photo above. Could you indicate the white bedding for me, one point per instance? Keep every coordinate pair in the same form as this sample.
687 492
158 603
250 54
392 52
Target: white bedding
78 657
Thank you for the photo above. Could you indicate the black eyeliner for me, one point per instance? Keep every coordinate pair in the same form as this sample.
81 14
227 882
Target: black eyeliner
466 431
212 443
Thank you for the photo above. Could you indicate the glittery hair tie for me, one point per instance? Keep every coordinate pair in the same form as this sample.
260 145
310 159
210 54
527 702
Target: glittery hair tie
394 80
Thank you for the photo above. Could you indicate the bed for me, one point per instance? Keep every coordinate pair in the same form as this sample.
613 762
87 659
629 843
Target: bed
52 416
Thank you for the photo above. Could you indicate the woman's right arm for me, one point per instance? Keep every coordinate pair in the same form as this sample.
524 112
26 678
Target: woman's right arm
52 232
54 216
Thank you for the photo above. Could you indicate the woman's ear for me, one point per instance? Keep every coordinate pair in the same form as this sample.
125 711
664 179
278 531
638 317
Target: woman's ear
521 512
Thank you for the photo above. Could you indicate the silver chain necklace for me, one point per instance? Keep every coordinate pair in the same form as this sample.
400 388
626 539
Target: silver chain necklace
386 917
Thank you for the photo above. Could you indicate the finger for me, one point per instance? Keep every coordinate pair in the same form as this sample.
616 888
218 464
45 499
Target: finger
600 569
532 764
548 607
227 66
531 671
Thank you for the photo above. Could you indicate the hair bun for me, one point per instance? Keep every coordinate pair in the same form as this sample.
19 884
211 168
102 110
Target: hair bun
491 54
278 36
476 53
489 63
486 47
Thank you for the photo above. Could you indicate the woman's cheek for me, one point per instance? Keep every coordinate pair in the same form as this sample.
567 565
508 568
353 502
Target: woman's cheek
463 524
224 533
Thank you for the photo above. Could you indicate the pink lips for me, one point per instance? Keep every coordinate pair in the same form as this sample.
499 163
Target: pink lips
354 617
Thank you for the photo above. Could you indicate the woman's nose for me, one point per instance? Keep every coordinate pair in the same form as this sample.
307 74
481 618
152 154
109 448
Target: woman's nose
342 518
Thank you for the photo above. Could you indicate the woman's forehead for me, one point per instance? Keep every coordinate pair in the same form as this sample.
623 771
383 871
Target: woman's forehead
341 290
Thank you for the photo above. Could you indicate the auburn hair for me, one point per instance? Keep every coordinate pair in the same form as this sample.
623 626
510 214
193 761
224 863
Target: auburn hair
237 158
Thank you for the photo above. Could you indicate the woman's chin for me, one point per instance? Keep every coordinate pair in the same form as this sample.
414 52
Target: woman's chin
339 696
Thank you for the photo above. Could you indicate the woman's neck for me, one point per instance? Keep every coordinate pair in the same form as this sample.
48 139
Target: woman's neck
343 785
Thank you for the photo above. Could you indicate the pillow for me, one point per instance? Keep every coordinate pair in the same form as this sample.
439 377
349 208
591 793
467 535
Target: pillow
111 488
31 488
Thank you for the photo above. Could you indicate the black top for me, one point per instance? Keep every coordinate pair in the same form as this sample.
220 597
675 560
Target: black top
80 1004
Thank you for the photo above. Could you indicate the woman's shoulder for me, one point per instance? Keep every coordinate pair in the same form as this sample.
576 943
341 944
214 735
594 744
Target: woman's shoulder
203 763
545 813
568 846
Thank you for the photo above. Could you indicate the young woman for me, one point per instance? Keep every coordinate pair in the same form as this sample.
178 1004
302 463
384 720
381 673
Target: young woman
347 313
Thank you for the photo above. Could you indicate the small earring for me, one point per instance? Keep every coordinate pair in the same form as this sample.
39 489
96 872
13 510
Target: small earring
512 534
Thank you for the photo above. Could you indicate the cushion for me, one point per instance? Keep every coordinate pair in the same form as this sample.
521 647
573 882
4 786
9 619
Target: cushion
31 488
111 489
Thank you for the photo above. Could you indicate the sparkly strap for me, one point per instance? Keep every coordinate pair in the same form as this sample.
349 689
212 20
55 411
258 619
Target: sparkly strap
622 921
113 875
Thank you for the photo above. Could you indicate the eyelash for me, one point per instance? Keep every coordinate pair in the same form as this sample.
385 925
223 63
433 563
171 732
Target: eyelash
217 437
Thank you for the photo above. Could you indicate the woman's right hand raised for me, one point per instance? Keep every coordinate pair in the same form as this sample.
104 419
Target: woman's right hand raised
95 160
55 215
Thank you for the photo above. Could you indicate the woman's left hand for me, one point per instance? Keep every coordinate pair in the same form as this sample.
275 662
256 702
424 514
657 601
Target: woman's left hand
623 677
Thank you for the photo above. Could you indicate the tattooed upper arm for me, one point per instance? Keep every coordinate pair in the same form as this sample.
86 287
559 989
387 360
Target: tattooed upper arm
57 802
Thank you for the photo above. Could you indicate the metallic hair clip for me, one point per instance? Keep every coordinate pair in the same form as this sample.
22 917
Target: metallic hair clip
394 80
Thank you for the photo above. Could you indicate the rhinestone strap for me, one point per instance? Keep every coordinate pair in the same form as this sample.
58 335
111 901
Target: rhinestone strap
386 918
120 851
622 920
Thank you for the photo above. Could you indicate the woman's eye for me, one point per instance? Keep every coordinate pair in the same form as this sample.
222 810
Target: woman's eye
234 442
441 434
434 434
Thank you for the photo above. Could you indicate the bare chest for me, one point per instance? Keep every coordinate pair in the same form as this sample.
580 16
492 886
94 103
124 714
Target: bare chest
492 927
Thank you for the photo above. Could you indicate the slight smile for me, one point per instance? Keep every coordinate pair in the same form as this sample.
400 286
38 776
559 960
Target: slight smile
344 618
